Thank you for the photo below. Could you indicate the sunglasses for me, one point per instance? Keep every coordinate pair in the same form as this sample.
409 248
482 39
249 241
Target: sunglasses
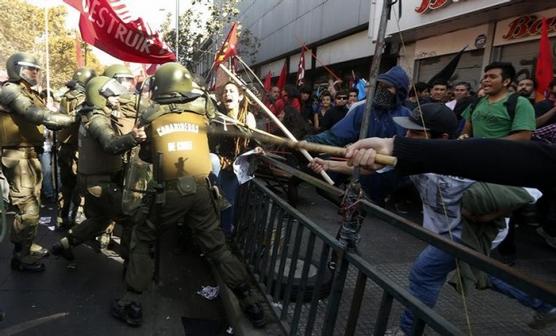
342 98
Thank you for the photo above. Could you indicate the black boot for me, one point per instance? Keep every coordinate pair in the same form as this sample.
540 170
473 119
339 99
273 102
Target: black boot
18 265
128 312
22 261
249 301
63 249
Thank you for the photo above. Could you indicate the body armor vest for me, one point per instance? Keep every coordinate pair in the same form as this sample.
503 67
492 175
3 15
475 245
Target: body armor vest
182 140
15 130
70 104
93 160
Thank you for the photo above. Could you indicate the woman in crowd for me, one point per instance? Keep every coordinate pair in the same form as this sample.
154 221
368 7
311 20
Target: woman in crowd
228 148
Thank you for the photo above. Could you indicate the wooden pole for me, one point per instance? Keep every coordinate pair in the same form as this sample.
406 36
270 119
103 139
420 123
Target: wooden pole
272 117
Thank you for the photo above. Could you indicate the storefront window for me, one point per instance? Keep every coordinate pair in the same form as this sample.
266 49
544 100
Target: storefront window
522 55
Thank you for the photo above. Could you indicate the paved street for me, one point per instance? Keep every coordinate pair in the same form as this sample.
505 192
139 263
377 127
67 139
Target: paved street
392 252
68 301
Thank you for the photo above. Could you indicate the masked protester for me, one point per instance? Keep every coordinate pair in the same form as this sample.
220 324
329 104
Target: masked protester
22 114
72 101
390 94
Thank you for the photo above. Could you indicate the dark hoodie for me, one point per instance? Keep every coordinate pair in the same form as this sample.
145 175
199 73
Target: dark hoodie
381 124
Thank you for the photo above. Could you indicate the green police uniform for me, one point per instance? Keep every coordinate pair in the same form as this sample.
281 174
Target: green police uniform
22 113
104 135
176 127
66 139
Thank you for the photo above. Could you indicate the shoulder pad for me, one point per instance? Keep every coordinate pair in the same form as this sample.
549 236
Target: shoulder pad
9 92
151 112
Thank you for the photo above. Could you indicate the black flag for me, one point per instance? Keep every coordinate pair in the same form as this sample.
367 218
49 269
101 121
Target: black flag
449 69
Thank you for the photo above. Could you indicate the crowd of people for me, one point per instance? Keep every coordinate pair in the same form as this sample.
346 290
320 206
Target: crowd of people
98 124
469 211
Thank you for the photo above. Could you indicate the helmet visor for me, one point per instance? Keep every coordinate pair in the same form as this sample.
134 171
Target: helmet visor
126 80
112 88
29 72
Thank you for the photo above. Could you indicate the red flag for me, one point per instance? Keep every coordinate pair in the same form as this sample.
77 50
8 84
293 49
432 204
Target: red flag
268 82
78 52
151 69
107 25
544 73
301 68
229 47
283 76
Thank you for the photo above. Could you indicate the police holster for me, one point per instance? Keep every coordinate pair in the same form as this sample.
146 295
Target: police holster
221 202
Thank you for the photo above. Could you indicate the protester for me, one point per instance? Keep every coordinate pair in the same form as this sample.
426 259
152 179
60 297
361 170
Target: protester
472 215
391 93
228 148
526 88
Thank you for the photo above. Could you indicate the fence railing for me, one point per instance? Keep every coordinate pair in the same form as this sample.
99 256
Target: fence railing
290 257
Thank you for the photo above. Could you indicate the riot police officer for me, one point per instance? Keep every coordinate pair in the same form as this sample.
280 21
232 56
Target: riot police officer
105 134
176 127
22 114
71 103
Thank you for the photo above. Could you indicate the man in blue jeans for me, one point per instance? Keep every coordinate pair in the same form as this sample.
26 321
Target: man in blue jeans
468 212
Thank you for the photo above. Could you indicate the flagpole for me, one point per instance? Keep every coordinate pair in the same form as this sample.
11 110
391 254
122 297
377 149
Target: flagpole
273 117
177 30
250 70
47 56
316 59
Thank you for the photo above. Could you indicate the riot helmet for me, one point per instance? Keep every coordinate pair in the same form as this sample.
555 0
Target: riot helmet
83 75
101 90
23 66
122 74
172 82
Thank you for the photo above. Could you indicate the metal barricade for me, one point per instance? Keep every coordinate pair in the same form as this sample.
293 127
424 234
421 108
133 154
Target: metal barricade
289 256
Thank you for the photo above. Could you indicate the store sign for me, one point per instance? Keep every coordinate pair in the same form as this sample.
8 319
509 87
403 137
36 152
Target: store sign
430 5
528 25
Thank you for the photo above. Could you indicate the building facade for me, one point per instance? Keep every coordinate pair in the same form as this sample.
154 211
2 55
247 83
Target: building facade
422 39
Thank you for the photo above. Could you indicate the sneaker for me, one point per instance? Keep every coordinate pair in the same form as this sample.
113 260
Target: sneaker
542 320
130 313
39 251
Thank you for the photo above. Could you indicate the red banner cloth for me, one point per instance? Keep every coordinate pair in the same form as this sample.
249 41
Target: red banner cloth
102 26
229 47
283 77
544 72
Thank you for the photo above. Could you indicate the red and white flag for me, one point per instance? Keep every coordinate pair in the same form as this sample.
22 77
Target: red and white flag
109 26
301 68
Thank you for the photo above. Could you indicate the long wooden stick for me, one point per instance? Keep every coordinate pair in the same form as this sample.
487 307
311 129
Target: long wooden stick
266 137
273 118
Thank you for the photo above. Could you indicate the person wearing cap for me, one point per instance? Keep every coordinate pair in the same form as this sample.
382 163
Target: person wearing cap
23 113
468 212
